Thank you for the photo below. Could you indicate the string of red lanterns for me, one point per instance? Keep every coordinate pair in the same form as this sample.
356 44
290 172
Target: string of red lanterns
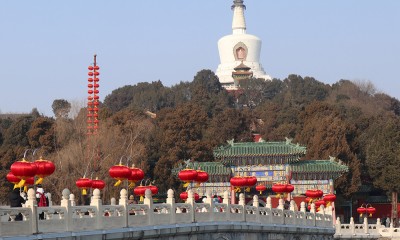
366 209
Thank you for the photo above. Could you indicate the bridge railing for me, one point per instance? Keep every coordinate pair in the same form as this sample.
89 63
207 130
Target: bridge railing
69 217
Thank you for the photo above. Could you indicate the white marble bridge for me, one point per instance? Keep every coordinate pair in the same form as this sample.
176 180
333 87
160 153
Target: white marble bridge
173 220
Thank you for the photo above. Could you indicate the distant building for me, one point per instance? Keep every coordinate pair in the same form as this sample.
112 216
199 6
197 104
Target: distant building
239 49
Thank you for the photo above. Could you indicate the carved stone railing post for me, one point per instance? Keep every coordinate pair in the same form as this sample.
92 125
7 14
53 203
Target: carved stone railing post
65 202
365 225
269 203
49 199
96 202
378 224
31 203
293 206
228 207
338 227
123 201
281 204
113 201
352 227
72 199
171 202
242 202
190 200
303 209
256 204
312 210
148 200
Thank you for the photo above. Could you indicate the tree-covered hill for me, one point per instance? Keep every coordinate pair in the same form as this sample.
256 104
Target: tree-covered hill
348 120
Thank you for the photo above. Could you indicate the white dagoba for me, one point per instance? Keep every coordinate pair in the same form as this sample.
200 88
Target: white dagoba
239 48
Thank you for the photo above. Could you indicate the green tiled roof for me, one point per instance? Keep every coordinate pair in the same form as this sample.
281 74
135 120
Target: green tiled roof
318 166
259 149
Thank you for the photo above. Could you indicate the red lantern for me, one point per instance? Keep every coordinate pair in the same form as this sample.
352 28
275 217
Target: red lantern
90 68
119 172
23 170
202 176
185 195
261 188
44 168
96 67
314 193
29 181
90 79
329 198
139 190
12 178
96 73
99 184
90 73
361 210
289 188
238 181
251 181
153 189
370 211
319 203
84 183
136 175
187 175
279 188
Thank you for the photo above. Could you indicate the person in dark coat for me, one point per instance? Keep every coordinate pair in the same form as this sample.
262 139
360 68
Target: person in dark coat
16 201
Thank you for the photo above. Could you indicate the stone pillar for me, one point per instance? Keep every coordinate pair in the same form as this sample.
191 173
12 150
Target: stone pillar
338 225
190 200
96 202
171 202
256 204
352 228
228 207
113 201
312 210
365 225
72 199
281 204
303 207
293 206
148 200
65 202
123 201
49 199
31 203
268 204
242 202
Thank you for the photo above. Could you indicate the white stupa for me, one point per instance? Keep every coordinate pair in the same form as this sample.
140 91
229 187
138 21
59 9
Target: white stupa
239 48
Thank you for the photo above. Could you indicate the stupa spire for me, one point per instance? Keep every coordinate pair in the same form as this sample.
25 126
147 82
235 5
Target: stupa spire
238 22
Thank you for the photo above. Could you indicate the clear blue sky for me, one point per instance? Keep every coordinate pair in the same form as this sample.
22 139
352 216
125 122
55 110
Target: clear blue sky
46 46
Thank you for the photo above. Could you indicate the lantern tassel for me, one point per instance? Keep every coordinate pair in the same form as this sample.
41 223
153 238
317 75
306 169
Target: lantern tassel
197 185
131 185
21 183
141 198
237 189
328 204
39 181
247 189
261 192
84 191
25 188
117 183
186 184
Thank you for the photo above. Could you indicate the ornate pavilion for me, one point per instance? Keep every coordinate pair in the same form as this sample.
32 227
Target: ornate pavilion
269 162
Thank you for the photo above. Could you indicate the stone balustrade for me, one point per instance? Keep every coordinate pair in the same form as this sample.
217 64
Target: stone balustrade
67 217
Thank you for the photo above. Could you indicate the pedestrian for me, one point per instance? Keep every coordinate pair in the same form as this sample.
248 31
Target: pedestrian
16 201
41 199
